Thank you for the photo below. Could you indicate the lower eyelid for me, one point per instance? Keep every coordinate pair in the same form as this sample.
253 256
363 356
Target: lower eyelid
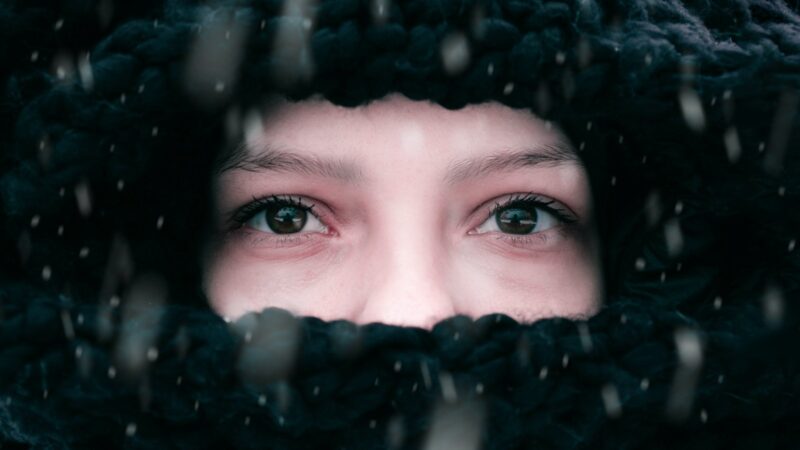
256 238
542 240
525 240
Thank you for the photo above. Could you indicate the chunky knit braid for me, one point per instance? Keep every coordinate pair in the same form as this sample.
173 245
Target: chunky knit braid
540 385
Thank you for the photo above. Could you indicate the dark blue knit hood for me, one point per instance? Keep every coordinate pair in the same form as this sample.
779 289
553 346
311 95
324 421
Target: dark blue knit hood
684 112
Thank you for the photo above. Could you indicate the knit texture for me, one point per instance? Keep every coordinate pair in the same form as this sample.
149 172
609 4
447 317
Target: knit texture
113 115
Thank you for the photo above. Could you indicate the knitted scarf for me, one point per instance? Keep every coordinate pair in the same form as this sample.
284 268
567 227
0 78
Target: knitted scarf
684 112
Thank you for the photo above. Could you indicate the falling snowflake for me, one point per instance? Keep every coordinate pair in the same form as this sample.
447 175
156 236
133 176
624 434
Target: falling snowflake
611 401
690 359
455 53
84 198
692 109
458 425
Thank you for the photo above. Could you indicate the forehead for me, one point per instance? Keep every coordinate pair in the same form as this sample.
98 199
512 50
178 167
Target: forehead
400 124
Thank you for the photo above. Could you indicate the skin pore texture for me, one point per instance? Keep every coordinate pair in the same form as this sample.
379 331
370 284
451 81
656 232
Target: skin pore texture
402 228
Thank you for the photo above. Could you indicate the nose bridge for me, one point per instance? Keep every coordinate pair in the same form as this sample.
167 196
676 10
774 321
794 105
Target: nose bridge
405 278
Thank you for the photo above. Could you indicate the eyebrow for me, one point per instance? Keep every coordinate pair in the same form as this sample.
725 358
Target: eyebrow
539 155
268 158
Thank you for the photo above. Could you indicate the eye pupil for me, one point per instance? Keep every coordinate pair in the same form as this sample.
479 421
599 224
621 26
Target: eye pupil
286 219
516 220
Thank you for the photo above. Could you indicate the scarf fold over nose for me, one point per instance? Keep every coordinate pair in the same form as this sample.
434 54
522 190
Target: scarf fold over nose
635 375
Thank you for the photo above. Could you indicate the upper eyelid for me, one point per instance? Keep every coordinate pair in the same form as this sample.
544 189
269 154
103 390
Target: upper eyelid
562 211
245 212
256 205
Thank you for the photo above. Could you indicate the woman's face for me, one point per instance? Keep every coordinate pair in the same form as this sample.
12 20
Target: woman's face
403 212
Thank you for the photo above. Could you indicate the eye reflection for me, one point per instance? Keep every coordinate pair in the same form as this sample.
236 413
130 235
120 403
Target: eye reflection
277 215
281 219
516 220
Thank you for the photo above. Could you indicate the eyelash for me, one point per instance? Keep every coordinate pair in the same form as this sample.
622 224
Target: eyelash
246 212
532 200
241 216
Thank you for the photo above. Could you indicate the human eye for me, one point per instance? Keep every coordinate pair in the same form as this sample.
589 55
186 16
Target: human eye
279 219
525 219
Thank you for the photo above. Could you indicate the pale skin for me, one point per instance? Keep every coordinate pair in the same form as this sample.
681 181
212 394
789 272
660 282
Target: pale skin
402 229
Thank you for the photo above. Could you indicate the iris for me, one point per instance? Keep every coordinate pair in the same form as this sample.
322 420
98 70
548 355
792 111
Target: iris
285 219
516 220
